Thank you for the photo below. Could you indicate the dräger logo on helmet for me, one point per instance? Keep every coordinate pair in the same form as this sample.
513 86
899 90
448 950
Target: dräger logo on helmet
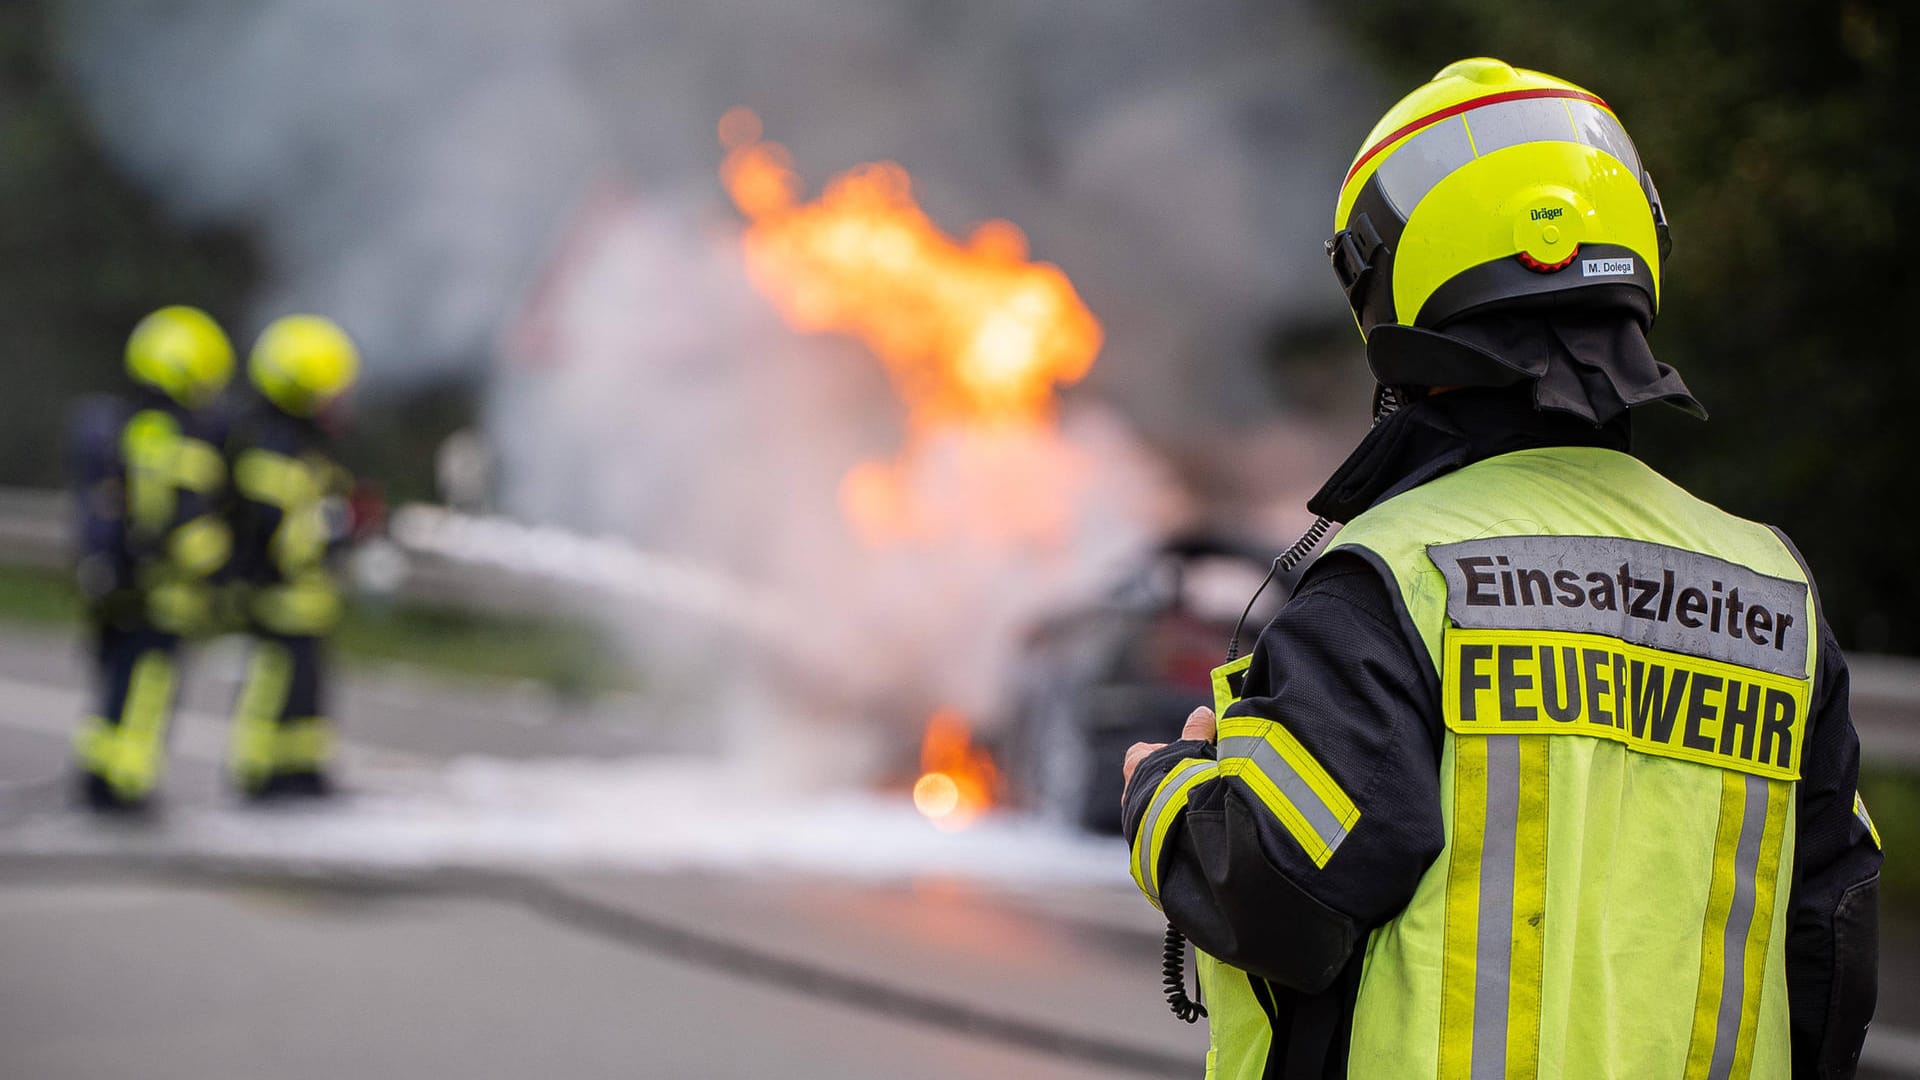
1545 213
1606 267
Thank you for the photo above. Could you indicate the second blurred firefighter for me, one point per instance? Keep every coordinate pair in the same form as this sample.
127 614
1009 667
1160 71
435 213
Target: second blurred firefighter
289 513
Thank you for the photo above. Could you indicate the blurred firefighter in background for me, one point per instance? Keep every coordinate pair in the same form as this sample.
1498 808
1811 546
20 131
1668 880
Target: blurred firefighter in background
149 482
1546 768
289 513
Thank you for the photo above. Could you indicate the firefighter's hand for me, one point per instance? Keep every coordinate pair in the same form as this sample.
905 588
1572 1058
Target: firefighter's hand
1199 727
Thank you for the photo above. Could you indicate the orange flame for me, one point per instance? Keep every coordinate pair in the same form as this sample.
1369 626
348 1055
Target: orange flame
957 778
974 336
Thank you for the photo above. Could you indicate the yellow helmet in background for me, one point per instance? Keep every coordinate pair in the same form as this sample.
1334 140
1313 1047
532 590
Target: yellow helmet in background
1494 187
181 352
302 362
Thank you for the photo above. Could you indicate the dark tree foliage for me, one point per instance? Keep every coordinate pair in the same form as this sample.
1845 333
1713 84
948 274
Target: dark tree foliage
390 440
1781 136
83 255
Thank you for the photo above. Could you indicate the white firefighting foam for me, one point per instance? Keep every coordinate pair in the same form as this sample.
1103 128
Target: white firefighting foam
407 809
655 815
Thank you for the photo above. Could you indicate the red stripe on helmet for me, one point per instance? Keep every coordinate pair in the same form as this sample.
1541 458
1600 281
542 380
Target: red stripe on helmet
1455 110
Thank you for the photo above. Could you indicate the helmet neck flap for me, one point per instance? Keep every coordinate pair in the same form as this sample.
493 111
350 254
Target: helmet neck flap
1593 364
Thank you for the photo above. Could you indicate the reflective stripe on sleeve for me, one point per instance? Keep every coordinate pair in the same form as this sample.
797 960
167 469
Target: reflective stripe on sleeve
147 445
1228 679
1168 800
1739 924
161 461
198 467
1860 811
201 546
274 478
1293 786
307 605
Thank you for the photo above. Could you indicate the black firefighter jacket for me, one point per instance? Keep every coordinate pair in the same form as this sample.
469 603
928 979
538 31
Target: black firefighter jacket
1356 690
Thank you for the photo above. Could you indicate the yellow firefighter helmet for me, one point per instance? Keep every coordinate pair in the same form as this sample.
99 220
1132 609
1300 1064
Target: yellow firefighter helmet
302 362
1494 187
181 352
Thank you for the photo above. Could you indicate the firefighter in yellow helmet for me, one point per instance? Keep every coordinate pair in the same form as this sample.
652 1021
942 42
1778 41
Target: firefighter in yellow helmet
1546 769
288 515
148 482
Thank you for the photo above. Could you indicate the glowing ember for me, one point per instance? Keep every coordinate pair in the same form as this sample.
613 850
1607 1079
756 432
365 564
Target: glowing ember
958 779
975 337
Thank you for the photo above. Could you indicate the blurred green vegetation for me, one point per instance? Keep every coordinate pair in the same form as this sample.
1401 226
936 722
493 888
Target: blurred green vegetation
1774 132
571 658
82 255
1893 798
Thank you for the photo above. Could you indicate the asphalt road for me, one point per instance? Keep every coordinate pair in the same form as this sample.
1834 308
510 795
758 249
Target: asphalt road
149 949
129 978
219 942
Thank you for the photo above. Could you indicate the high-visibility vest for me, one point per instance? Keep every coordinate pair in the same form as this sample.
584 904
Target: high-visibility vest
1625 673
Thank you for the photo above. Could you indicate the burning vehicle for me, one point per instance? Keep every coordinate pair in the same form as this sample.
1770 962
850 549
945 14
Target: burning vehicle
978 340
925 517
1094 680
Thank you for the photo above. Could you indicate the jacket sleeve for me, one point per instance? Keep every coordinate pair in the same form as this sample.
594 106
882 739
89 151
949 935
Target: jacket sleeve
1317 810
274 505
1832 929
99 487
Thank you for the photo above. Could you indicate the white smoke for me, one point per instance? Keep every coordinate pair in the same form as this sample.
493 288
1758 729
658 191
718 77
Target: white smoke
725 440
410 164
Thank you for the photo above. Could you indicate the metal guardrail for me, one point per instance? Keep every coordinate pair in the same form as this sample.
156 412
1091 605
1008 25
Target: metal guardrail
1885 701
36 532
35 528
499 566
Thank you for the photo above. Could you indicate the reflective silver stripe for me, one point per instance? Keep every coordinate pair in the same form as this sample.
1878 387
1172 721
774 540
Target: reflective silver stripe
1410 172
1493 948
1866 819
1733 962
1406 175
1149 824
1320 817
1510 123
